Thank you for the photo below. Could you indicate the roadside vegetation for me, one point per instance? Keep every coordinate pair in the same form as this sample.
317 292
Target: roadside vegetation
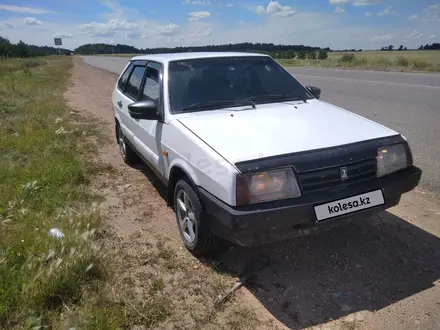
23 50
371 60
44 177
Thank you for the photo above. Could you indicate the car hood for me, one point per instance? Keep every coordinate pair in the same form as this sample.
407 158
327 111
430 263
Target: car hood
280 128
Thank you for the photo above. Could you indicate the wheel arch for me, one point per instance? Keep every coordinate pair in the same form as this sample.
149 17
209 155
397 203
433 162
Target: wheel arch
178 172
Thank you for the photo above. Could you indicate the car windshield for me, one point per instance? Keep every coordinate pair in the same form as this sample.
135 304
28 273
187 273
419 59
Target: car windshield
213 83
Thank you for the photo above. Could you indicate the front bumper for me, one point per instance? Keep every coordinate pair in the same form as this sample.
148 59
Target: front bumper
279 220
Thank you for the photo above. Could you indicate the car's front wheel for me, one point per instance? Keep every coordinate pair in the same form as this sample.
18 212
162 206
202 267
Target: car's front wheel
193 227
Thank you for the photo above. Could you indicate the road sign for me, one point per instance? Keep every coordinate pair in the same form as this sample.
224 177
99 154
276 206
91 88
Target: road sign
58 41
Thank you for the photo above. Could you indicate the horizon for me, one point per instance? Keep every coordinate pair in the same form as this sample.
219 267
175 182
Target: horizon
337 24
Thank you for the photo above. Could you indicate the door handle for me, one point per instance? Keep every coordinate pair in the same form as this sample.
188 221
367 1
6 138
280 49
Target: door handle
119 104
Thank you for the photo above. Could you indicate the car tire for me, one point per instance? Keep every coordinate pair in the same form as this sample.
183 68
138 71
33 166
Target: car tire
194 229
128 154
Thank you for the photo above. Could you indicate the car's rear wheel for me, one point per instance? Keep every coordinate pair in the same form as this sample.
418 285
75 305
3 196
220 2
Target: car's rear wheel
191 219
128 154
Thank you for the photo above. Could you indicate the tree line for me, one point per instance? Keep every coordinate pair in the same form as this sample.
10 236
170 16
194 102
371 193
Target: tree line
434 46
21 49
284 51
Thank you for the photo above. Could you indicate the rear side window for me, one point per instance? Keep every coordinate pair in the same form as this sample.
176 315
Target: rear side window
124 77
134 83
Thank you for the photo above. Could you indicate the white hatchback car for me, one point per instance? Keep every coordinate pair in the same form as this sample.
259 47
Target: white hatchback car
249 154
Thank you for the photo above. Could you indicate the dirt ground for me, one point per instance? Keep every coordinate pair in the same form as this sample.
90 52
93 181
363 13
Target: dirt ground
383 273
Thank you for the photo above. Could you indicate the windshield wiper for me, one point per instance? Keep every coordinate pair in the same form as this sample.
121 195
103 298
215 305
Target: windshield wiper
280 97
210 105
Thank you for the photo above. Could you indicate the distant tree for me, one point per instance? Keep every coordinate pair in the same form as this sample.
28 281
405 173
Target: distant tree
22 49
434 46
360 50
421 47
302 55
401 47
390 48
290 54
311 55
405 48
322 55
5 47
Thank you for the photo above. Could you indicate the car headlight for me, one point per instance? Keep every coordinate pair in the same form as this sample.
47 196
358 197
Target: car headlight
266 186
391 159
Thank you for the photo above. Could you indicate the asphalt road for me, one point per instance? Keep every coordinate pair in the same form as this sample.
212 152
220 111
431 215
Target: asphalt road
406 102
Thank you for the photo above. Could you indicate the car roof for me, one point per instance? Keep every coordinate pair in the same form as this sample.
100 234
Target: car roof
168 57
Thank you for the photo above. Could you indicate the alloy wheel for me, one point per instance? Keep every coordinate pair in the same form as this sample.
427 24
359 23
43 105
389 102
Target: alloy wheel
186 216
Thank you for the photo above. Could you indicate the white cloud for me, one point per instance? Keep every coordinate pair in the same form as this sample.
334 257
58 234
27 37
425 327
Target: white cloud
384 37
201 2
92 26
413 17
339 2
386 11
432 36
63 35
415 34
170 30
411 35
32 21
197 2
115 24
275 8
230 5
201 33
367 2
260 9
431 13
26 10
357 2
196 15
134 35
339 10
104 34
6 25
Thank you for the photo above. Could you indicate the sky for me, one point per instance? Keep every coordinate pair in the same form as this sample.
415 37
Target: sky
338 24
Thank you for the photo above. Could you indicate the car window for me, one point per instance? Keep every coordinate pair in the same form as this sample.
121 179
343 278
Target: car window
230 79
124 77
134 82
152 85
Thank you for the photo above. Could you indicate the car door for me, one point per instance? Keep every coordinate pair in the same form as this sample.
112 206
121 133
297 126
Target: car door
127 93
148 133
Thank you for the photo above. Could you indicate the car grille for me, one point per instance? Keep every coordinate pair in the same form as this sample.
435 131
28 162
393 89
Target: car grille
330 178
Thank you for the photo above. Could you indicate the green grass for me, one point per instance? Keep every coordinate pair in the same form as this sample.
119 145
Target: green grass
375 60
44 176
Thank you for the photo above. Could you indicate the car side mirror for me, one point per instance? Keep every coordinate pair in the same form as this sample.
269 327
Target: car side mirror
144 110
316 92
